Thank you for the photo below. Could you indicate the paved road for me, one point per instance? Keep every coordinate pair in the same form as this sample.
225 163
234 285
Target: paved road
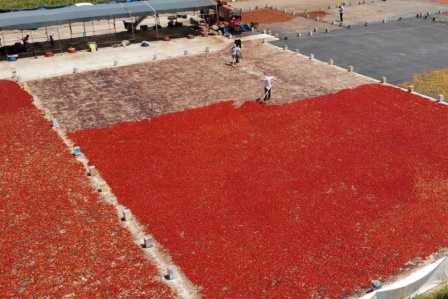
396 49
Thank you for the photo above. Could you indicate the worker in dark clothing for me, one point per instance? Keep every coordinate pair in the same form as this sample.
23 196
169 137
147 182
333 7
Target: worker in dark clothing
25 42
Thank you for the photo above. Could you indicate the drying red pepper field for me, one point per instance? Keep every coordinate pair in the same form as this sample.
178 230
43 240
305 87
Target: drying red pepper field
58 240
314 198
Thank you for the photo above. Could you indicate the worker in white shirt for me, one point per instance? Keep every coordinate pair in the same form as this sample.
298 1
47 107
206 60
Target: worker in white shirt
267 82
236 53
341 13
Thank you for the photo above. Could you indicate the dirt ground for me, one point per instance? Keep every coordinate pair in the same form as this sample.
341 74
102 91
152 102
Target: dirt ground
356 12
266 16
269 18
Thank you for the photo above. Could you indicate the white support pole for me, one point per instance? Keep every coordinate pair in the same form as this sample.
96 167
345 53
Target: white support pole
172 273
103 187
92 171
54 123
148 241
127 215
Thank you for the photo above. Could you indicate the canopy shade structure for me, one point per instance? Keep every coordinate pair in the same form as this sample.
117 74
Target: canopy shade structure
171 6
33 19
25 19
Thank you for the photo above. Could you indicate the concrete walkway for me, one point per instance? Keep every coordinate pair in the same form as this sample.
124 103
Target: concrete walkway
64 63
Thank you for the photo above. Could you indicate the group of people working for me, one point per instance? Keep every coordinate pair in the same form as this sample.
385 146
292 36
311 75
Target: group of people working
26 43
235 51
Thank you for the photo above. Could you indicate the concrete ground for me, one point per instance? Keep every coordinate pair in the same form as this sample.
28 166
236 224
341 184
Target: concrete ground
397 49
65 63
386 47
103 32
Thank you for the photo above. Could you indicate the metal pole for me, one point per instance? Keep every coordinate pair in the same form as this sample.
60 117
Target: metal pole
157 26
31 37
155 18
6 48
133 33
59 38
85 32
110 33
217 16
